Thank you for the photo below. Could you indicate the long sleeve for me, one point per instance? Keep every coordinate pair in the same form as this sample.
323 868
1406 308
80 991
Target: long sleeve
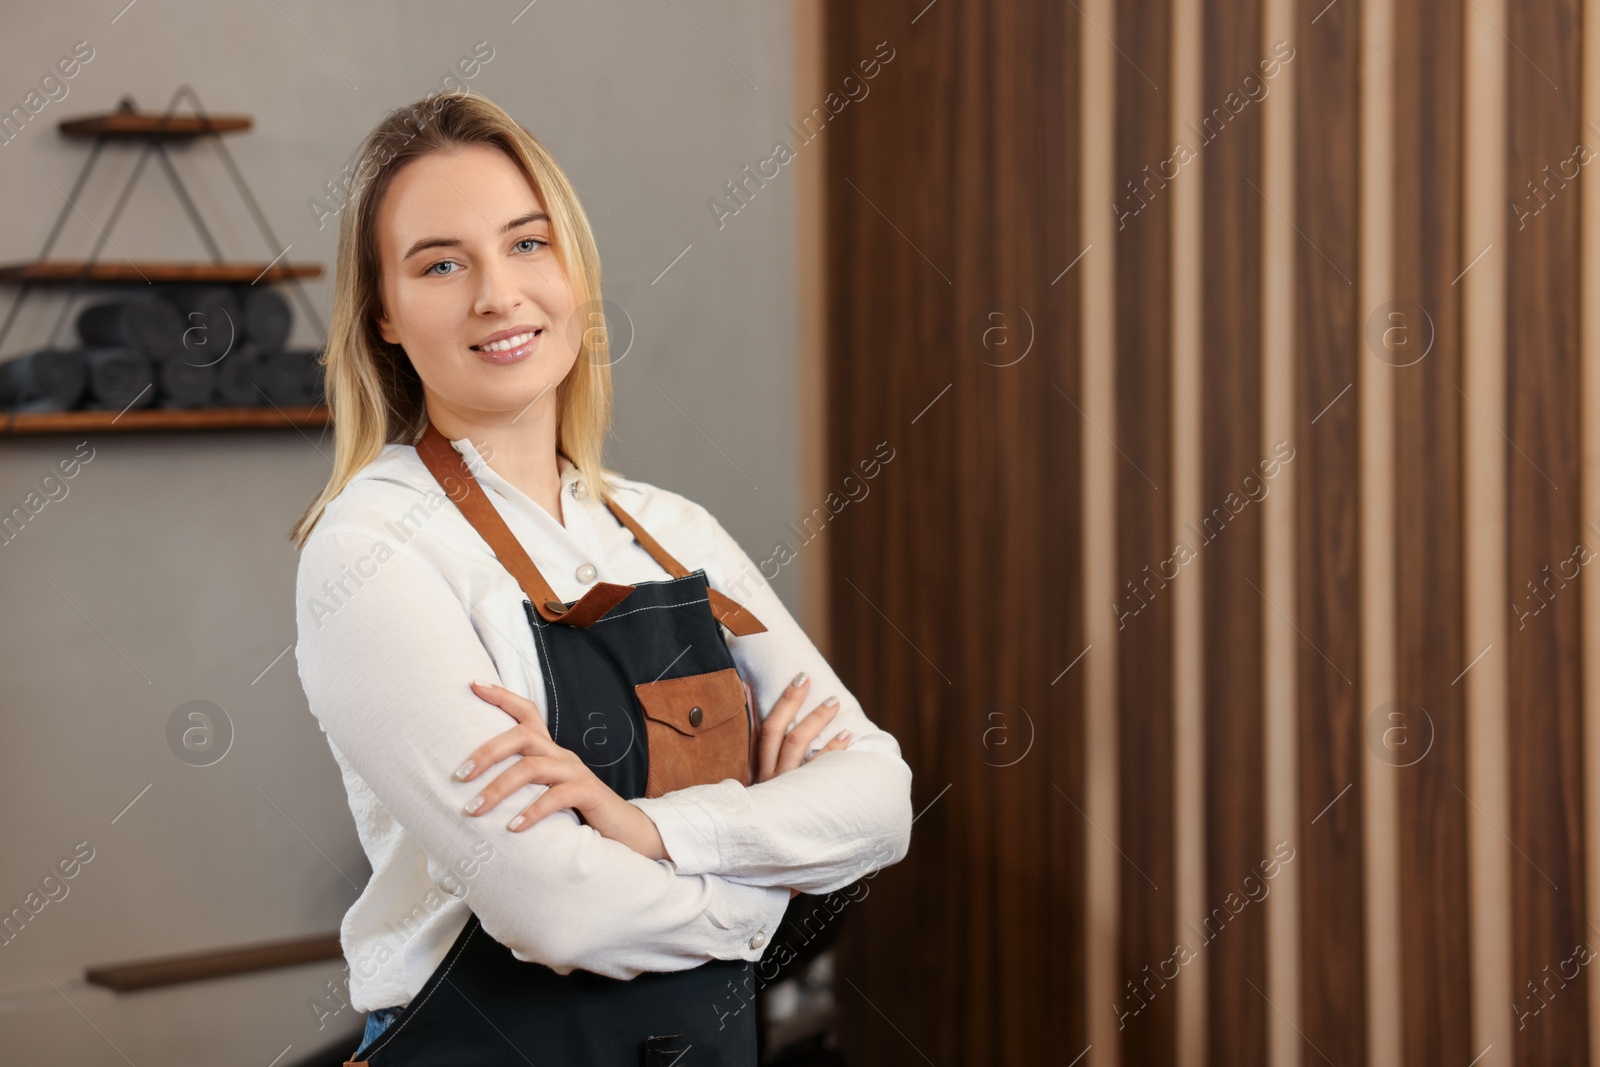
387 648
818 827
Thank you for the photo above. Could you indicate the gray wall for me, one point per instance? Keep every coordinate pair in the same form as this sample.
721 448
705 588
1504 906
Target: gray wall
164 574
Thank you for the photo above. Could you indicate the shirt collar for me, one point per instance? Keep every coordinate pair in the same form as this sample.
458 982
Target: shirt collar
488 476
480 468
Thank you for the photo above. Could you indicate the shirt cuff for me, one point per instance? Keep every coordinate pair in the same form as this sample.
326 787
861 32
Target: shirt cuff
751 914
688 831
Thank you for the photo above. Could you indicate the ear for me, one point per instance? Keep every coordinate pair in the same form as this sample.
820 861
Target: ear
386 330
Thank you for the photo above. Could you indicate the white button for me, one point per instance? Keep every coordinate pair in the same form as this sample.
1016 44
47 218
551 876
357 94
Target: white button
578 491
586 573
758 940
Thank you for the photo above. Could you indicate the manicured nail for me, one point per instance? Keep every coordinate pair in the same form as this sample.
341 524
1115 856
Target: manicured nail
844 735
830 702
474 804
799 680
483 685
515 823
464 770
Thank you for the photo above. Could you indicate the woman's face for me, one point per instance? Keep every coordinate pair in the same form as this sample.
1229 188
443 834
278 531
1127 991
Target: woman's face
465 261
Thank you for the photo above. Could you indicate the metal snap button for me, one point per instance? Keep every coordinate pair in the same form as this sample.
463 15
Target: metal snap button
586 573
695 715
758 940
578 491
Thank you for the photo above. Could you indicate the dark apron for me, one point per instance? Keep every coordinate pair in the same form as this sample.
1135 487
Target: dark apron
640 684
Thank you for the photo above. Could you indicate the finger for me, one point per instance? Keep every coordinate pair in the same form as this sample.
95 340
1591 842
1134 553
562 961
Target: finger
841 740
515 705
522 739
776 724
542 770
557 797
806 730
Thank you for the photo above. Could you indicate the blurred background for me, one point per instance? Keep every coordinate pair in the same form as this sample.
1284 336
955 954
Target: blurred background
1232 369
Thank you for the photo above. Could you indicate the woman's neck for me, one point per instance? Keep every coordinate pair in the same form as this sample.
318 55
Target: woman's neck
520 449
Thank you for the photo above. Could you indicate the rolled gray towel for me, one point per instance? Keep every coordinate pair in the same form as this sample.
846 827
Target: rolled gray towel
212 321
119 377
145 322
267 317
182 384
236 378
49 379
286 377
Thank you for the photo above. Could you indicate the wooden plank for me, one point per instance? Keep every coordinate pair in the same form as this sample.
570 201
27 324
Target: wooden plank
1417 340
1147 893
151 419
1327 336
1228 533
952 194
64 271
1032 442
218 963
1540 417
133 125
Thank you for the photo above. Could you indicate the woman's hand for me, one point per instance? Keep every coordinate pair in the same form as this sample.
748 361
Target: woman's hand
783 749
572 784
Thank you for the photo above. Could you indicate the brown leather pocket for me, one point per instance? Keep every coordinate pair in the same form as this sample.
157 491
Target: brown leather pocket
698 729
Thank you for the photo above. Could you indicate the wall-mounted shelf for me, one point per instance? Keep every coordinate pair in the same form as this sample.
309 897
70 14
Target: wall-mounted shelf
51 422
177 401
68 272
131 124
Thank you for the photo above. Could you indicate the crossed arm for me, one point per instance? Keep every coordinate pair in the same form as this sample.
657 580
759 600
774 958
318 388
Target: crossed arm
388 676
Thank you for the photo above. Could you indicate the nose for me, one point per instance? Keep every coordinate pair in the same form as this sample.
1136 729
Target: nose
499 287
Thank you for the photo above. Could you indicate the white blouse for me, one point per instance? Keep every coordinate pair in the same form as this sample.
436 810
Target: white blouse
400 605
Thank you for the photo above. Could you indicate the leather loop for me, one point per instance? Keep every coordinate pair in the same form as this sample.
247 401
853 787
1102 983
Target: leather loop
595 603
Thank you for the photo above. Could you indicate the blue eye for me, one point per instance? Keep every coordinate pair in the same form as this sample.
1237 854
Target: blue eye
534 240
441 263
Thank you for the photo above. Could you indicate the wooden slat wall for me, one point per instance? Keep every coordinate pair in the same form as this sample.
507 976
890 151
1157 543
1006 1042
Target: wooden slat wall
1144 530
1231 545
1539 412
952 214
1333 756
1043 897
1430 601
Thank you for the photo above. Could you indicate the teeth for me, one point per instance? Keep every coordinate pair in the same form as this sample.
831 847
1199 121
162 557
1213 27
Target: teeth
508 343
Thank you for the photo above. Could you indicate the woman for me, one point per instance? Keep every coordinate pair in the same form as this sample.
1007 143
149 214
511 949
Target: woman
491 621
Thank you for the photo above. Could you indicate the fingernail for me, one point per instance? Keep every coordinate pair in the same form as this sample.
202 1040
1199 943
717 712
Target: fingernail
463 770
830 702
514 823
799 680
474 804
844 735
483 685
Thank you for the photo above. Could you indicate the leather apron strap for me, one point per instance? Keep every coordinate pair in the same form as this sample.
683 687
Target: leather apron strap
450 469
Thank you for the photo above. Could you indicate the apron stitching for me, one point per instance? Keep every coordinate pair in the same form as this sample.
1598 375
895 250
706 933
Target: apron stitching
650 607
407 1015
555 698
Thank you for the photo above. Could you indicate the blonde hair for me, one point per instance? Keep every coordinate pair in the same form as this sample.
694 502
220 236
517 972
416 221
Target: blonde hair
374 394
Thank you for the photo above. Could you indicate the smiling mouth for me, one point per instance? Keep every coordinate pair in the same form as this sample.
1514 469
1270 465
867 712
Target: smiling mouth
509 343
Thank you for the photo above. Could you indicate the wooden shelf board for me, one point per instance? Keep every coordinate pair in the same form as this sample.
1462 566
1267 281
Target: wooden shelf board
201 966
264 418
62 271
140 125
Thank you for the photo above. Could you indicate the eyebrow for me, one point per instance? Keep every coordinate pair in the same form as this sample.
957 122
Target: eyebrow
455 242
